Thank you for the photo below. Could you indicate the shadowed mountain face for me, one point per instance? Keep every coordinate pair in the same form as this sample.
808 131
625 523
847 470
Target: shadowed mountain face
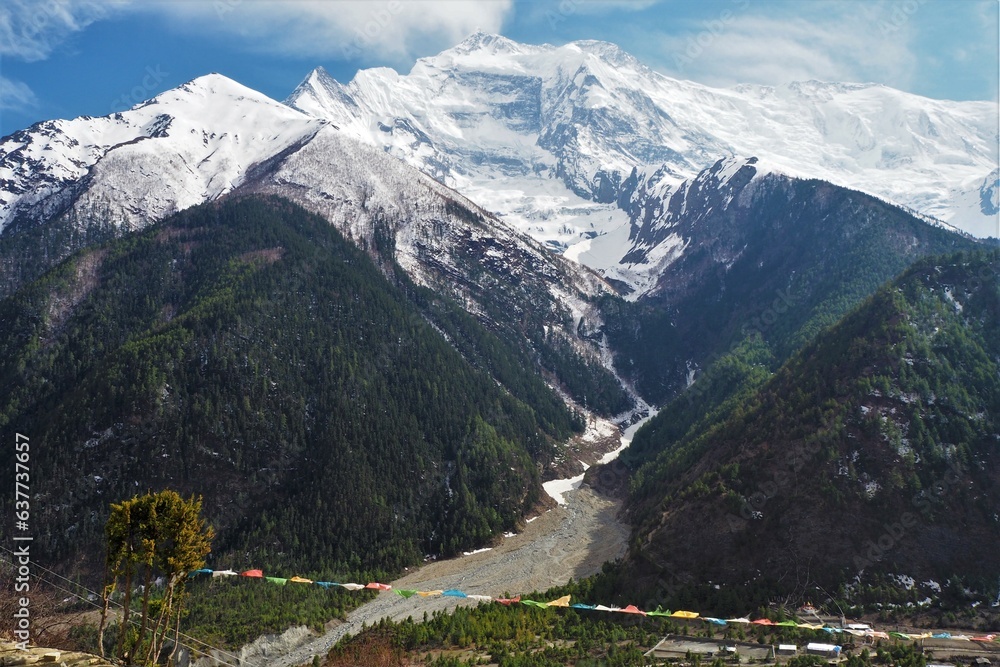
742 249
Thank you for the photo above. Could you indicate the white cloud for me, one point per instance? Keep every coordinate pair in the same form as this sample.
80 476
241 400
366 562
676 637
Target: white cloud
15 95
386 30
31 29
841 45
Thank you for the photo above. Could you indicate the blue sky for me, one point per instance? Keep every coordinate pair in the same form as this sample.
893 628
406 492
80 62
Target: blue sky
65 58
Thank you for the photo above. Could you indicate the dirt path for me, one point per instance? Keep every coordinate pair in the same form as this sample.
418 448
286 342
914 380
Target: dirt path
572 540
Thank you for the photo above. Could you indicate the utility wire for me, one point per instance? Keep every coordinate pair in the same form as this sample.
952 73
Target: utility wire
202 644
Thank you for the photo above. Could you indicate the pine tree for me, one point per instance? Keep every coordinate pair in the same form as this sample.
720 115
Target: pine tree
156 534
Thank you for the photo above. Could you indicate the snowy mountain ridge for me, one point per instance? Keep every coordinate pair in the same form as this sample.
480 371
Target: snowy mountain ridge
188 145
212 136
574 146
500 120
662 215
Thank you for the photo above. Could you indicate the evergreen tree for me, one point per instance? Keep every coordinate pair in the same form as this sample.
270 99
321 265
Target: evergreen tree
156 534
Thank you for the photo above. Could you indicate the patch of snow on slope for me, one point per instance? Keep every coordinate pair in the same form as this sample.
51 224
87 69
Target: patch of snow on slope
558 488
627 437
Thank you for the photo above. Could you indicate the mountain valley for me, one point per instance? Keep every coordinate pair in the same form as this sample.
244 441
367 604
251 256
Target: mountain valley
367 323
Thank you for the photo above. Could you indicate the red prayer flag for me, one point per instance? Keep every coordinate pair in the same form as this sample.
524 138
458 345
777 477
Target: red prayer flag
632 609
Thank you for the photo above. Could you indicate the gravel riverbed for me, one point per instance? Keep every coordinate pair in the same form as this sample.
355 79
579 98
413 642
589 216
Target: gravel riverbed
571 540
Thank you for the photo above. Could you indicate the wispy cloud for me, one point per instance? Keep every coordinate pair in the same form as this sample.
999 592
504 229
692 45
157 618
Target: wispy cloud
31 29
386 30
15 95
835 42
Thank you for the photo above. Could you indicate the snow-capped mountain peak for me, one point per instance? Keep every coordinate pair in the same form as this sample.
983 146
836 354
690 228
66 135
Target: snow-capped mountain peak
608 52
480 41
212 136
549 135
212 83
210 130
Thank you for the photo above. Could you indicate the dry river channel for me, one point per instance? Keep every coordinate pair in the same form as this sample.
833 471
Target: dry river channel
571 540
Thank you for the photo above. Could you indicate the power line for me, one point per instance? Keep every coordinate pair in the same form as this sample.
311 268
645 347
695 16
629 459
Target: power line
202 644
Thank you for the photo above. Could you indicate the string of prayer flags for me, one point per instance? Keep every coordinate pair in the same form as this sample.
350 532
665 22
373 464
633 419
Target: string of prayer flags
856 629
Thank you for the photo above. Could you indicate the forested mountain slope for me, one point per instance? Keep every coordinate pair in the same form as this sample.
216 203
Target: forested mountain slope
70 184
872 450
247 352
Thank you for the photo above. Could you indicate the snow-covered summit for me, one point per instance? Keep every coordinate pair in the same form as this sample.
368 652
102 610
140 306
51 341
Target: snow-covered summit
549 135
185 146
610 53
480 41
213 136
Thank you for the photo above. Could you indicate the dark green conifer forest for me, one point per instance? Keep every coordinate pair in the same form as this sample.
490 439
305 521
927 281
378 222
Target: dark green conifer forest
246 352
